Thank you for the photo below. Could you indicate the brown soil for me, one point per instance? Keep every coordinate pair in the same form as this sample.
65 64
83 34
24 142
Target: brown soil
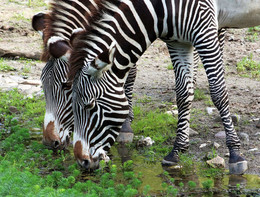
157 82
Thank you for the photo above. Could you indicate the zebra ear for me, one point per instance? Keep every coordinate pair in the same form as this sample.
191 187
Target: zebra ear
38 22
59 47
105 58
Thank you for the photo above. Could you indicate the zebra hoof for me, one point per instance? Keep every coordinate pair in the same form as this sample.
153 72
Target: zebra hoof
125 137
170 160
238 168
126 133
237 164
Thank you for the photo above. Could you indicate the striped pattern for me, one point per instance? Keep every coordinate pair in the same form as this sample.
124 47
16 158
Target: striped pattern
58 100
114 42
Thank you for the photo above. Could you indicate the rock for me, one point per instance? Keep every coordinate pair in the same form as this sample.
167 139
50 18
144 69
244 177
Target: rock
172 112
145 141
258 124
227 155
217 162
244 136
216 145
193 133
210 110
203 145
253 150
235 119
31 82
257 134
13 109
221 135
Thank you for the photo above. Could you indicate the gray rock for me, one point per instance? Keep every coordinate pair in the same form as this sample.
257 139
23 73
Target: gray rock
203 145
258 124
216 145
210 110
145 141
217 162
221 135
253 150
244 136
193 133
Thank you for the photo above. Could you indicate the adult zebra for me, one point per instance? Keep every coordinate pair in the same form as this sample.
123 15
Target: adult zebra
102 57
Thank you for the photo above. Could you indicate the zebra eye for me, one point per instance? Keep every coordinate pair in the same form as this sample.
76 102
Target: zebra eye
90 105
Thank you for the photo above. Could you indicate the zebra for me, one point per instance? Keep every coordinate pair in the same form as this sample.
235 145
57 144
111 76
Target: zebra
102 57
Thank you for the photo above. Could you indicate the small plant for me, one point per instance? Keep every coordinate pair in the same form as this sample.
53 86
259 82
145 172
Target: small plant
248 65
207 184
186 163
192 185
5 67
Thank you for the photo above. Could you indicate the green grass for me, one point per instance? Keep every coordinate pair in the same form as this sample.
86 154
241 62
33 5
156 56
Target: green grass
4 67
253 34
248 67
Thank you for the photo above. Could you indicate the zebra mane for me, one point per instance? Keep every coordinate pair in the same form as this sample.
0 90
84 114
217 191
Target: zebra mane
83 40
66 16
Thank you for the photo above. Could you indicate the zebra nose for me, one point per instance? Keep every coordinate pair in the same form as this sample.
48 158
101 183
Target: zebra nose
56 144
86 164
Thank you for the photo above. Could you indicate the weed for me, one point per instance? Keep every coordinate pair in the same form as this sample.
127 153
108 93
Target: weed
207 184
5 67
248 65
170 66
192 185
186 163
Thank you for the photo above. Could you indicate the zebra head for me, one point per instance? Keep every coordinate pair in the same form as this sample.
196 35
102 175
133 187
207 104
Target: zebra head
58 120
100 107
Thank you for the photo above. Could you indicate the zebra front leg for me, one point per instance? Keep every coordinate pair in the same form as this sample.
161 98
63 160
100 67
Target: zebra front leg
213 64
183 61
126 133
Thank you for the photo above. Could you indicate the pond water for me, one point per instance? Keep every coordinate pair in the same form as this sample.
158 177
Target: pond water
245 185
153 175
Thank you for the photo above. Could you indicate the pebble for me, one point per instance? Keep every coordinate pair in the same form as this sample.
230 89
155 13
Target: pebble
217 162
258 124
145 141
216 145
253 150
221 135
203 145
244 136
193 133
210 110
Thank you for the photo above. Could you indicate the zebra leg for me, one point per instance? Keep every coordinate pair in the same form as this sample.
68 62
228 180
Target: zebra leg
221 38
182 59
126 133
213 64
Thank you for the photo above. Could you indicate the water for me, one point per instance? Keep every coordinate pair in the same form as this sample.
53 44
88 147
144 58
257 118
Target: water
225 185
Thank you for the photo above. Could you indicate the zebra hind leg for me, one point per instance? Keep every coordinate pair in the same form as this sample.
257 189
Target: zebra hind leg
126 133
213 64
183 63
